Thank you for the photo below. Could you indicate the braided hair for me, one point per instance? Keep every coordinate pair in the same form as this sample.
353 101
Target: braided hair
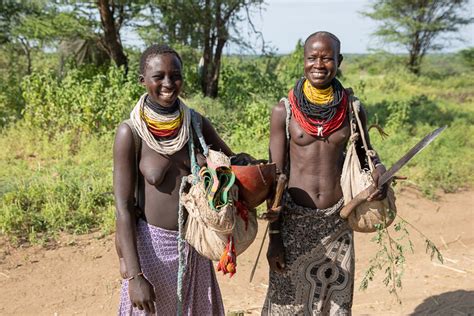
156 49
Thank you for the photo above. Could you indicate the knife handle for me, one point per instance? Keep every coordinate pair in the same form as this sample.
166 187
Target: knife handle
356 201
280 187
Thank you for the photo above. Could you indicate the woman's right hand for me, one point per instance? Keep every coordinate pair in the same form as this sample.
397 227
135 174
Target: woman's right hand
272 214
276 253
142 294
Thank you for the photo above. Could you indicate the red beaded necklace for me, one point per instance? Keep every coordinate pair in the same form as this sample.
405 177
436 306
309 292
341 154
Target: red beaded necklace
318 128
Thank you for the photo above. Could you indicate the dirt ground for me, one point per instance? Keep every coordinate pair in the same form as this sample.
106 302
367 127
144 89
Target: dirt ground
80 276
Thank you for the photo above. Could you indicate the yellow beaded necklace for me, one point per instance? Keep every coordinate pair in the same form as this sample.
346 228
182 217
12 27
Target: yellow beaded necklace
318 96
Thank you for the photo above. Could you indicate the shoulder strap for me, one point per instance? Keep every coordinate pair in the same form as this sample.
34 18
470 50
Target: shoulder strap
196 122
287 131
288 117
138 146
355 108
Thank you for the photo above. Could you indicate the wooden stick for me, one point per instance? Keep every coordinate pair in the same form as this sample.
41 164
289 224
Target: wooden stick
280 188
258 255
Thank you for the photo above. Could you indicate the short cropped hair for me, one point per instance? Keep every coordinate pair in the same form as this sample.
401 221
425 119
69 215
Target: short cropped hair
154 50
328 34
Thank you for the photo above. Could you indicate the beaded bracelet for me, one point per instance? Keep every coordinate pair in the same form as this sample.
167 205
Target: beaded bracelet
135 276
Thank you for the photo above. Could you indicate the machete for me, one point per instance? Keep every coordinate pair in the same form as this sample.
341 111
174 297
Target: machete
362 196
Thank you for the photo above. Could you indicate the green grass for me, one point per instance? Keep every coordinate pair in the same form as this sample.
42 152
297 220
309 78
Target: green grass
51 185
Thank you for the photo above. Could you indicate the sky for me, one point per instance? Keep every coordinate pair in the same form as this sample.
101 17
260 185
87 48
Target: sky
283 22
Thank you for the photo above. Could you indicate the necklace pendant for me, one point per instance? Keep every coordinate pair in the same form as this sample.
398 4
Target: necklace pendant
320 131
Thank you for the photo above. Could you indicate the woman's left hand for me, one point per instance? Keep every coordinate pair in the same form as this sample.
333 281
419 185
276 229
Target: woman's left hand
380 192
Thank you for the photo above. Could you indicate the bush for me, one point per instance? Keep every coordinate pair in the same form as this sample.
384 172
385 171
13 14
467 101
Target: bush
468 56
243 79
80 101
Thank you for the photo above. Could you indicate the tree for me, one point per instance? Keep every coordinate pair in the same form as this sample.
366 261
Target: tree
28 26
12 33
418 25
112 16
202 24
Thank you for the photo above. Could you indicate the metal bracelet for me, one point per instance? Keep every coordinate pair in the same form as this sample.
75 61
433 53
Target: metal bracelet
273 232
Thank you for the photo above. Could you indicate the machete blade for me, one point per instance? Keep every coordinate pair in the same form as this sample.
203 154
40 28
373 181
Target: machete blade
409 155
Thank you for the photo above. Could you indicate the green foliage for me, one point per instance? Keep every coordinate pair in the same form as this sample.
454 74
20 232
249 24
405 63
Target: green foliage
468 56
252 128
291 66
82 100
11 101
190 57
245 130
243 79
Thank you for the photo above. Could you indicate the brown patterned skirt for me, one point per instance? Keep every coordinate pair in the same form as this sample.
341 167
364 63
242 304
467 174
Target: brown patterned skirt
319 255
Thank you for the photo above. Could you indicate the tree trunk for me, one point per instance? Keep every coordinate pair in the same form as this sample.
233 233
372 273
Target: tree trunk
213 52
111 34
27 50
207 49
414 55
413 63
213 84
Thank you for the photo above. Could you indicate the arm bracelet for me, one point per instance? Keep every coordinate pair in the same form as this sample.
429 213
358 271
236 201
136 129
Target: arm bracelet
273 231
135 276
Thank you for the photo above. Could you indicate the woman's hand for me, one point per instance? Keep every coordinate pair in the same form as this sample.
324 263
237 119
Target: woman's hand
378 192
142 294
272 214
276 253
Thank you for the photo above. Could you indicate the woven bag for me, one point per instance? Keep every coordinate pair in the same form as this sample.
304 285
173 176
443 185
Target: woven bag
208 229
355 178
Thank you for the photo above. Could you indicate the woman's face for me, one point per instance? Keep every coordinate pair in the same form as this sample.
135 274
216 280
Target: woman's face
321 61
163 79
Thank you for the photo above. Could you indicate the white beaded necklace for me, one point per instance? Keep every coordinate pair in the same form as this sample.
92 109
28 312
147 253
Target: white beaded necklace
168 146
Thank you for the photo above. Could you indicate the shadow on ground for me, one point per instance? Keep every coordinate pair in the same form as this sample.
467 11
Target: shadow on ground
450 303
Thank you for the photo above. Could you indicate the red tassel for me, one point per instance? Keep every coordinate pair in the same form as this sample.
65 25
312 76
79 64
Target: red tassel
228 261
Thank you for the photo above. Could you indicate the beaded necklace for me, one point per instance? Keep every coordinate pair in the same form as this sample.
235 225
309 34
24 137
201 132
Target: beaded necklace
164 133
316 119
318 96
162 125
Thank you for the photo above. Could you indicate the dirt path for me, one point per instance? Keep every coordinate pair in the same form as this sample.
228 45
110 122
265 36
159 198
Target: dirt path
80 276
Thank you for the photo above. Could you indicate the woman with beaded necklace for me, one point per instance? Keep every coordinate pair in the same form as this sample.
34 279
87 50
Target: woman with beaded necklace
148 242
311 250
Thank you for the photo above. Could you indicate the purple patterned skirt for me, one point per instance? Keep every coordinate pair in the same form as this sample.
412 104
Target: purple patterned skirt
158 253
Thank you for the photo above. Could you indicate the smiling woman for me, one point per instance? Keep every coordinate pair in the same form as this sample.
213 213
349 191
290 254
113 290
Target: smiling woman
150 158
